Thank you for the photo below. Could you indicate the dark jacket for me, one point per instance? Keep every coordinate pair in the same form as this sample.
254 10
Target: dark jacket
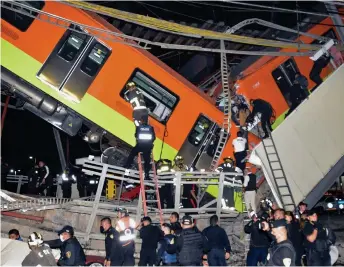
72 254
258 238
281 252
44 173
41 255
150 236
190 247
144 129
295 236
217 238
261 106
176 228
113 247
135 98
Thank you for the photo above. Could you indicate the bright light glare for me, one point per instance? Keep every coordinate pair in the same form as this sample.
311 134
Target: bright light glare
330 205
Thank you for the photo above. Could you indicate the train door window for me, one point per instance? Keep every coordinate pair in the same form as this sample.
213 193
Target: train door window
72 46
284 77
330 34
199 131
159 100
95 59
18 20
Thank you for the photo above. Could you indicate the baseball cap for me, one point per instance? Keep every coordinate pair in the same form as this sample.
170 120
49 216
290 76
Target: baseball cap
278 223
146 218
187 220
66 229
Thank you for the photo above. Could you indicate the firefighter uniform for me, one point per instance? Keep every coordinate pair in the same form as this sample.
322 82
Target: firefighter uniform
126 228
166 191
145 136
135 98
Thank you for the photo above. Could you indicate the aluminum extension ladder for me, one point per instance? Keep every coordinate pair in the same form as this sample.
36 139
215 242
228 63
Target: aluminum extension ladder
278 174
226 125
145 201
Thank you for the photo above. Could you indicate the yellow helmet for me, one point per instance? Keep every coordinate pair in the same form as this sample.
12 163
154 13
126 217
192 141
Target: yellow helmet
130 85
178 158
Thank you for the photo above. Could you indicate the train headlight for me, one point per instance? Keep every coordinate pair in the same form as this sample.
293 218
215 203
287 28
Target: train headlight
330 205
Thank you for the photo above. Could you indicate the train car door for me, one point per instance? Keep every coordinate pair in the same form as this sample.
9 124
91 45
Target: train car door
284 77
196 149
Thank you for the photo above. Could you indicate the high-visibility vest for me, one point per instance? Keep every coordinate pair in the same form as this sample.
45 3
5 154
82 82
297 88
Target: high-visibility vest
126 228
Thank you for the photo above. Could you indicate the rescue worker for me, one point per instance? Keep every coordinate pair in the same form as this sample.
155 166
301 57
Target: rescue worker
266 111
240 109
259 241
250 188
46 179
113 249
318 66
126 228
165 191
145 137
282 252
72 254
14 235
163 256
176 228
190 245
302 81
189 196
218 243
150 236
240 145
40 254
317 243
295 236
33 180
296 97
179 165
136 99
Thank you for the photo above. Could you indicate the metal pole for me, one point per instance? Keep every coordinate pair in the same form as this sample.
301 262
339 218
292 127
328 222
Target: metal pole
220 195
19 183
96 202
60 148
336 18
3 116
177 192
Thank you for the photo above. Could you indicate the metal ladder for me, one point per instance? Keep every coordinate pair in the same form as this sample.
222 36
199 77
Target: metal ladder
226 125
278 174
144 191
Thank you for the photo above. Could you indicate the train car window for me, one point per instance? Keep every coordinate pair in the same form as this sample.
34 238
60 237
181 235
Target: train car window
95 59
159 100
18 20
71 47
330 34
199 131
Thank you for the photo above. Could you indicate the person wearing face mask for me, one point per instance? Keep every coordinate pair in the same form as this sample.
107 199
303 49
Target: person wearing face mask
113 249
72 254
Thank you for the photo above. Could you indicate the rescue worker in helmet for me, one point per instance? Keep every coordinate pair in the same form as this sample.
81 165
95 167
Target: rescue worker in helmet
145 136
166 191
40 254
135 98
179 165
126 228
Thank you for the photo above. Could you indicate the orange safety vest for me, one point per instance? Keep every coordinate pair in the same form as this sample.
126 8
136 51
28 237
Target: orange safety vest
126 228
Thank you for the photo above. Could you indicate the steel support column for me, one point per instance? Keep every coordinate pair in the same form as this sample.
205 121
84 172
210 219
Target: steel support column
337 19
60 148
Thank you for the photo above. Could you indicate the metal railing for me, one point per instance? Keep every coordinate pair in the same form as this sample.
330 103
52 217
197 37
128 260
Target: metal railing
35 204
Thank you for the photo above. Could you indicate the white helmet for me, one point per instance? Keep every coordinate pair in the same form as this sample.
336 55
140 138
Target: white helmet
35 239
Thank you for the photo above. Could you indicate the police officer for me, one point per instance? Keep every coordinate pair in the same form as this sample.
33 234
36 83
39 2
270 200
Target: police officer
40 254
150 236
145 136
176 227
218 243
190 245
250 187
259 240
135 98
240 144
317 244
126 228
282 252
114 254
72 253
165 191
265 109
46 179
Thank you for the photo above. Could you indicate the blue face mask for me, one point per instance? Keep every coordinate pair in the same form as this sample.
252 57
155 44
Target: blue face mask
102 230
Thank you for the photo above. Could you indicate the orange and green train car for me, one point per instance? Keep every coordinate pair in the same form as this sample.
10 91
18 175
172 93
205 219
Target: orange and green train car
87 76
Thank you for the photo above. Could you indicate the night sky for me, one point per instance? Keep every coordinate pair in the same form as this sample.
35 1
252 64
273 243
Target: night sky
24 134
